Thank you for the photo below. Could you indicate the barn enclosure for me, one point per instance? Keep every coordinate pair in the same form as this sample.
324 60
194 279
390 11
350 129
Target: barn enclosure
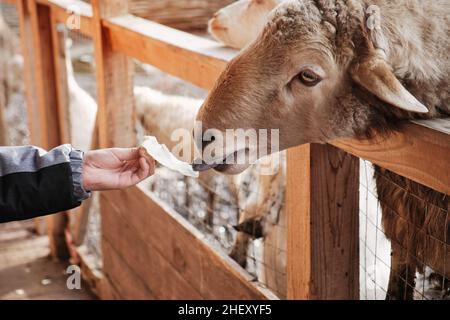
311 230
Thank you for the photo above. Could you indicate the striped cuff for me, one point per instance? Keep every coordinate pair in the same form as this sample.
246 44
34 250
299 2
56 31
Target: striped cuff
76 164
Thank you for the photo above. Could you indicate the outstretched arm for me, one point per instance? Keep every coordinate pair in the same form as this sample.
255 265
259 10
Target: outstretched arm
34 182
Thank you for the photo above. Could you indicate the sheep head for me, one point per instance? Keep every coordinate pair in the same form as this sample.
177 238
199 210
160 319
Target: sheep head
239 23
316 73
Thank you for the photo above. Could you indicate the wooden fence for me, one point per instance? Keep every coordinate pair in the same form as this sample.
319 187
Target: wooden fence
149 251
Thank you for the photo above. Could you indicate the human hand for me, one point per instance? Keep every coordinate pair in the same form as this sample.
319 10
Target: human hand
116 168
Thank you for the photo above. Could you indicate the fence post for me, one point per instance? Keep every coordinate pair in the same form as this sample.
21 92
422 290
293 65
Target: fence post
114 75
323 235
61 79
116 114
42 101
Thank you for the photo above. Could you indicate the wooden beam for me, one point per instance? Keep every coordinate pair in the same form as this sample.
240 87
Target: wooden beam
65 11
323 235
197 60
122 277
90 269
114 75
43 68
30 65
175 247
62 89
161 279
42 99
415 152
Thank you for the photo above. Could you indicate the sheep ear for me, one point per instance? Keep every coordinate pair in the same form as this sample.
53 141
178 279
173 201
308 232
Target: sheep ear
376 76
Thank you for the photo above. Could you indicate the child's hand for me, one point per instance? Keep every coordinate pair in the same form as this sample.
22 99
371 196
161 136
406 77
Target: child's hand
116 168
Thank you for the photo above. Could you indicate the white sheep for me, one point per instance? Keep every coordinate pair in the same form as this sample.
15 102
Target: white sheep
239 23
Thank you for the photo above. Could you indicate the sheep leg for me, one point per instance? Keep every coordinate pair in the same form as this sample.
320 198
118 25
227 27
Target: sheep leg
402 276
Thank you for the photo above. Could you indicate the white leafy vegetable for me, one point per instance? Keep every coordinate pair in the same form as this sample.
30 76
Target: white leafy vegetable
162 155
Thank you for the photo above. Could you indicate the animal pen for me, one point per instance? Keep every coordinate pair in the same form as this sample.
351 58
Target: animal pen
149 249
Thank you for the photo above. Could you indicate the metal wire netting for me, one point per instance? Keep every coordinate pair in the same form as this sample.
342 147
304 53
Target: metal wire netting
404 238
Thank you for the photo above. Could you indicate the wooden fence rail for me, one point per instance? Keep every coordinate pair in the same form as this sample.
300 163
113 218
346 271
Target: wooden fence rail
149 251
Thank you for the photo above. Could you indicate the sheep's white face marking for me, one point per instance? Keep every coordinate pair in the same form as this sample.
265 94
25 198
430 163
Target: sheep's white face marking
240 23
305 79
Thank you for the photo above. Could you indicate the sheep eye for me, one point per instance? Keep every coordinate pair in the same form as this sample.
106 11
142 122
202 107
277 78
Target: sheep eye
309 78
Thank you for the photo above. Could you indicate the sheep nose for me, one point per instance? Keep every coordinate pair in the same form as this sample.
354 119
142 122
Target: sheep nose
206 142
202 141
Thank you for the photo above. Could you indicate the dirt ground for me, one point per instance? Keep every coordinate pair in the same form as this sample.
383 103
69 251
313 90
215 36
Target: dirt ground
27 272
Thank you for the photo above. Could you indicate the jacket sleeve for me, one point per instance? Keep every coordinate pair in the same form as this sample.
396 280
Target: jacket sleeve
34 182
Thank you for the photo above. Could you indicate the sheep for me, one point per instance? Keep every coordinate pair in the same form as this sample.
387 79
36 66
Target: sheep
330 69
239 23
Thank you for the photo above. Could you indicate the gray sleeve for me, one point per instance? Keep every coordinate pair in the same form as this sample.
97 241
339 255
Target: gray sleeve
76 164
30 159
34 182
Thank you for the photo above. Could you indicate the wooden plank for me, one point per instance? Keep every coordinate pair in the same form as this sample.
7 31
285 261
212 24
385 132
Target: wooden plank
197 60
26 32
114 75
322 206
66 10
122 277
107 291
62 89
90 269
418 153
163 281
82 212
44 71
4 139
212 274
43 108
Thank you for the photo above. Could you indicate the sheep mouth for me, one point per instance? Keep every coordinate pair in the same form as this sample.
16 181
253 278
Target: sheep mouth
225 165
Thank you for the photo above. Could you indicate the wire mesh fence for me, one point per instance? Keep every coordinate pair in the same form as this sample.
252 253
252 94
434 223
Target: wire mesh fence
252 236
404 238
